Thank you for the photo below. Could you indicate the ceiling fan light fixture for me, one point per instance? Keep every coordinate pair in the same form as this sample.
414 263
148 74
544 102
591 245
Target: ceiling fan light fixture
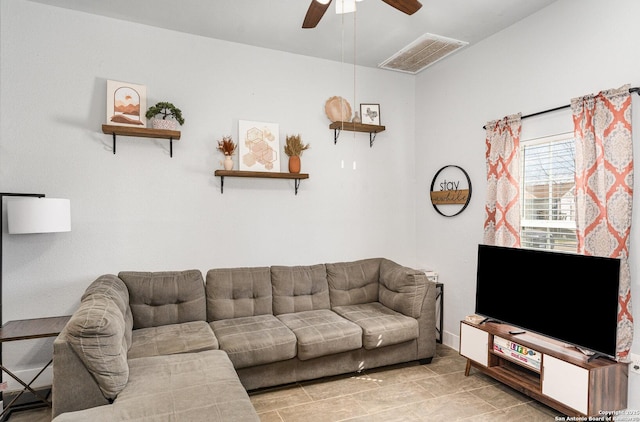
323 1
345 6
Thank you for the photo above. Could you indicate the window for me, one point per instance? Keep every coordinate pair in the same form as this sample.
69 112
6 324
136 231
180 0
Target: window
548 207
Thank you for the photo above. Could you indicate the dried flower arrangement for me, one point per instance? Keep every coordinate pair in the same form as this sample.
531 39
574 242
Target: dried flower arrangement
294 146
227 146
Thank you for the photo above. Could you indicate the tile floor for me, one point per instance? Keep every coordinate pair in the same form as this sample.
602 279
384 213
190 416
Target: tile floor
409 392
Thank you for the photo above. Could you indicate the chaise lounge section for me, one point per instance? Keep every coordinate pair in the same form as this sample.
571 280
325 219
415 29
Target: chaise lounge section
167 345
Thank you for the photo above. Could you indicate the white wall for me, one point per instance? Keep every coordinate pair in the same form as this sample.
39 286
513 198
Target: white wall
141 209
568 49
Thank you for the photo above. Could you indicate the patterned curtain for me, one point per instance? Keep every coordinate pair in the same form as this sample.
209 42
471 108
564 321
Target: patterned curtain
604 189
502 210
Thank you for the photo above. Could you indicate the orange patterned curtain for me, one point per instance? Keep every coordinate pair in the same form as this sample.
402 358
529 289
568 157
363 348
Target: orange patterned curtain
604 189
502 209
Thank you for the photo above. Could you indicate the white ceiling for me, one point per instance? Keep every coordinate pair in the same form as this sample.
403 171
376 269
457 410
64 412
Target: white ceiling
381 31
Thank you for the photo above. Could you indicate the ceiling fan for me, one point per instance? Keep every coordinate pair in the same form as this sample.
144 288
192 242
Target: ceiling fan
318 7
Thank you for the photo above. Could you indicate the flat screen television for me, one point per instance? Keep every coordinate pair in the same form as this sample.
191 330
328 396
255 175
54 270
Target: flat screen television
569 297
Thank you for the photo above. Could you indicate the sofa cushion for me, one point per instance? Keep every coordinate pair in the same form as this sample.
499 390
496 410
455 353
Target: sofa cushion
96 332
113 288
302 288
238 292
162 298
185 387
402 289
352 283
380 325
187 337
251 341
322 332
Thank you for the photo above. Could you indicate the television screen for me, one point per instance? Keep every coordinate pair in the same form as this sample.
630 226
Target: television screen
569 297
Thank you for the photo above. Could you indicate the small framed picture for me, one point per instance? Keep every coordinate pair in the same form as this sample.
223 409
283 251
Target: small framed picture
259 146
370 114
126 104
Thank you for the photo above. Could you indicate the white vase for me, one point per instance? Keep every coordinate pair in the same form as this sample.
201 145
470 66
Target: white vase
228 162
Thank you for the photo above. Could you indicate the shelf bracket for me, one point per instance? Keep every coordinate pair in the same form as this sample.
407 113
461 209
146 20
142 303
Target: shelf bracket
336 135
372 137
297 183
170 144
221 184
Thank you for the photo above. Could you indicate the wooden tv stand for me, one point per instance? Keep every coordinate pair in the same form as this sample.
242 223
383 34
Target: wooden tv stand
564 380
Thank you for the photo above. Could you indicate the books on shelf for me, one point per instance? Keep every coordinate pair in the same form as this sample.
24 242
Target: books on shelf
517 352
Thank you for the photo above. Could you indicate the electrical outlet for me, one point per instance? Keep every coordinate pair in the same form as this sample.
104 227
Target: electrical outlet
634 366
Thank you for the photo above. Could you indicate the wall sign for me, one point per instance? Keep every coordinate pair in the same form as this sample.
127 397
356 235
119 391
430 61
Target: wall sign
450 191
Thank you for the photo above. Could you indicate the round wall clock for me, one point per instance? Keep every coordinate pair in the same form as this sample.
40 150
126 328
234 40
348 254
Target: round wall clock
450 190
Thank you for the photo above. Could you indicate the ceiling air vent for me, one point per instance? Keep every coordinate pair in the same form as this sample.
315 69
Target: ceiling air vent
421 53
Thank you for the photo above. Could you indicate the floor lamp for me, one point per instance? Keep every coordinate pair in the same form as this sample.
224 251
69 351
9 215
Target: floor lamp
32 213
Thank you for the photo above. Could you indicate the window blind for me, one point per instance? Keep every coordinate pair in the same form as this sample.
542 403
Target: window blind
548 194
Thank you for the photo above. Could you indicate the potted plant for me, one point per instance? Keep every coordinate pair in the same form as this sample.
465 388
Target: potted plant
294 149
164 109
227 147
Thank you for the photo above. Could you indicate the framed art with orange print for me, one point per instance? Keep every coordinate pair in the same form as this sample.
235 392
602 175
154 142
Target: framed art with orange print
126 104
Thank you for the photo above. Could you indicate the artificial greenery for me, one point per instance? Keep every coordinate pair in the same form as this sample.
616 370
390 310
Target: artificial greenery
227 146
165 109
294 146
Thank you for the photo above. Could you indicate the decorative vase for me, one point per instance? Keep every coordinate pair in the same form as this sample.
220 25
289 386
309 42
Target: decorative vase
228 162
294 164
164 124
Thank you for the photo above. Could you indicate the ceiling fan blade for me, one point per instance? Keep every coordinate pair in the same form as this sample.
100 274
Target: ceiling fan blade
407 6
314 14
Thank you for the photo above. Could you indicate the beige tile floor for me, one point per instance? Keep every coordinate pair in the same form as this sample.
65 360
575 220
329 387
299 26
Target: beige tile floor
409 392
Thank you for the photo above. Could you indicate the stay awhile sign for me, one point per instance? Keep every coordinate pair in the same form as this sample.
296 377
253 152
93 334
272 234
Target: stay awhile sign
454 189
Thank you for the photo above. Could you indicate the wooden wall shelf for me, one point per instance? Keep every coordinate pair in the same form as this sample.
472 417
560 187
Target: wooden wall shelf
142 132
260 175
372 130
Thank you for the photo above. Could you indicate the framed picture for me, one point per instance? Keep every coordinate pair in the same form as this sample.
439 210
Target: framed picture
370 114
126 104
259 146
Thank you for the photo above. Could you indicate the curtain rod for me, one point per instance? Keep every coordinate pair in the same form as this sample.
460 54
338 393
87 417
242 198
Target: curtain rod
631 91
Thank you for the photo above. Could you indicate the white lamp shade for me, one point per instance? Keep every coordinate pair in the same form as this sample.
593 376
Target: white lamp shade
38 215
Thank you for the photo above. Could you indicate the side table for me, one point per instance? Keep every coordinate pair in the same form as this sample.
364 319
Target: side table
439 311
28 329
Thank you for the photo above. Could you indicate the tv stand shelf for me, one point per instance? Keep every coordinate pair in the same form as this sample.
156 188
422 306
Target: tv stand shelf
565 380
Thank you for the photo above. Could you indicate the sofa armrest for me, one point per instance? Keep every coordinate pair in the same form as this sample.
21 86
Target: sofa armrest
427 322
411 293
90 354
74 388
402 289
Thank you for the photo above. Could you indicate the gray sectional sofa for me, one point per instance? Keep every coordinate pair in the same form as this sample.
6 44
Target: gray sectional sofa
168 346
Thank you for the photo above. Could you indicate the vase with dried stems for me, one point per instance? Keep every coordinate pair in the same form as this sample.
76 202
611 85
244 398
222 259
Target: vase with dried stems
227 147
294 148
